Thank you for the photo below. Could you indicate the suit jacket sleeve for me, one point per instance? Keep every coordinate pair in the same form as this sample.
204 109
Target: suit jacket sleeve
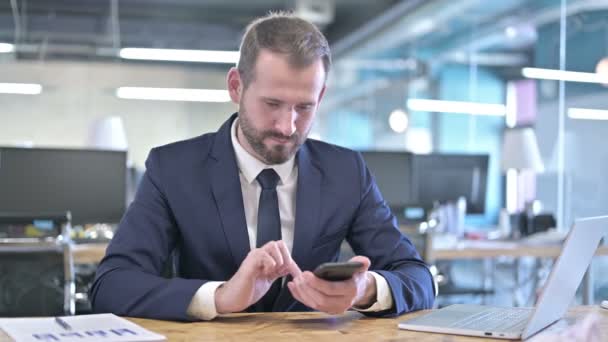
374 233
128 280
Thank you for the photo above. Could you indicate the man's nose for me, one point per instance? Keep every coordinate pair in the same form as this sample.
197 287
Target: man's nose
286 124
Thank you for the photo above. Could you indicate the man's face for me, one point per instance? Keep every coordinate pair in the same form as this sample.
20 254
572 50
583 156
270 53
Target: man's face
277 109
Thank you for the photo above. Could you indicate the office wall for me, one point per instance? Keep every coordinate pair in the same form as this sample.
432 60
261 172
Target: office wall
75 94
585 151
585 163
460 133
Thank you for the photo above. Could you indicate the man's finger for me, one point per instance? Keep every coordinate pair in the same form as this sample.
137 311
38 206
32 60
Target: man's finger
284 251
266 262
294 270
364 260
330 288
329 304
292 267
273 250
305 295
296 293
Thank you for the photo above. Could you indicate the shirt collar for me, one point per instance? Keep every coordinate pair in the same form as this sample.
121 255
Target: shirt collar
250 166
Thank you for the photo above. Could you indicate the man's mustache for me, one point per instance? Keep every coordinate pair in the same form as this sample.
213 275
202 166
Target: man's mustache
293 137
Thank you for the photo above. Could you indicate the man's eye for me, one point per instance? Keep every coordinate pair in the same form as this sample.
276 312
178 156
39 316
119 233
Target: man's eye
305 108
272 104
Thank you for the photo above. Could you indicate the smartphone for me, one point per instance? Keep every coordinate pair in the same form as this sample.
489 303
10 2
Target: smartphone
337 271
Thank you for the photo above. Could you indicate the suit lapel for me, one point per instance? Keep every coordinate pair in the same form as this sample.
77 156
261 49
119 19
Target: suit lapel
226 188
307 227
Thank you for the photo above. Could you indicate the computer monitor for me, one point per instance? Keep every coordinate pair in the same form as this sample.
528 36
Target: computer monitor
88 183
446 177
392 172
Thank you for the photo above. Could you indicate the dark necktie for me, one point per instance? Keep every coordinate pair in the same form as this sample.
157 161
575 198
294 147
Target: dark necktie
269 225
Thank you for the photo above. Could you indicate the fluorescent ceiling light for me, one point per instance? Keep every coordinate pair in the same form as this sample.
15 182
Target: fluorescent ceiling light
474 108
587 114
398 121
563 75
205 56
511 32
6 48
20 88
173 94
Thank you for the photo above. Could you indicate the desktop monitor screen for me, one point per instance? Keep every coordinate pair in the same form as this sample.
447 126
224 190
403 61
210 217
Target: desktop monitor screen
89 183
446 177
391 171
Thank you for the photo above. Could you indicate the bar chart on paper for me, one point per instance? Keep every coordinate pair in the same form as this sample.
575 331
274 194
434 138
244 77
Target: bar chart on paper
106 327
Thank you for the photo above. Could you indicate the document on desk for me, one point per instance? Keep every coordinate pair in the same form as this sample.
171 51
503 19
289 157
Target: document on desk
106 327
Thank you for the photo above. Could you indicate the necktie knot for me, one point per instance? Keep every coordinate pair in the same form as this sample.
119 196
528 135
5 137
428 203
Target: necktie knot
268 179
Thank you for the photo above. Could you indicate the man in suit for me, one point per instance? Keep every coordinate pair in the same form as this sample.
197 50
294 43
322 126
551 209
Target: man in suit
254 207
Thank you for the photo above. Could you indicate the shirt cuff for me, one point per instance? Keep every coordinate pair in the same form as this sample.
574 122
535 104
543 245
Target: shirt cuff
202 305
384 298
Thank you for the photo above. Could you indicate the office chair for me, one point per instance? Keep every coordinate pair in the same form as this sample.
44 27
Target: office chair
36 267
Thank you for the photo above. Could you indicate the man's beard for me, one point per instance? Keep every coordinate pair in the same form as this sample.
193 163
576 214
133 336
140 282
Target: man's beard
271 155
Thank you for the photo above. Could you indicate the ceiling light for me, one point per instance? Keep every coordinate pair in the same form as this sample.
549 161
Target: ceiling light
587 114
511 32
6 48
602 69
204 56
473 108
419 140
563 75
398 121
20 88
173 94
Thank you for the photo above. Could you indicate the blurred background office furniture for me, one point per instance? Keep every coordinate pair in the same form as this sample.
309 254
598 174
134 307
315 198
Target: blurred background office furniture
414 184
521 157
392 171
448 187
541 223
36 268
441 178
520 150
494 250
108 133
91 184
430 194
451 287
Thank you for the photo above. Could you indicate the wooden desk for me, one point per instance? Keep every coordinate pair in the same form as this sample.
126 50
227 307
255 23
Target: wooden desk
492 249
316 327
94 252
484 249
88 253
319 327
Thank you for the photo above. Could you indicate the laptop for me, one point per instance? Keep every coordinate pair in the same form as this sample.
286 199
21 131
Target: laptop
521 323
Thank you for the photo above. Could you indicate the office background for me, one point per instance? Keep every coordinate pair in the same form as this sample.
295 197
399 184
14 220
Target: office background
502 64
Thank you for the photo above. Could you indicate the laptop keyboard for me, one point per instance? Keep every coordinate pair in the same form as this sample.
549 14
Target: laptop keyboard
495 319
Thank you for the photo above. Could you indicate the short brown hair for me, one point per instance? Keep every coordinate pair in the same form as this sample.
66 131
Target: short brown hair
285 33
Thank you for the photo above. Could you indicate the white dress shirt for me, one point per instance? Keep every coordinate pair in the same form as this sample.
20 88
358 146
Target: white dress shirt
202 305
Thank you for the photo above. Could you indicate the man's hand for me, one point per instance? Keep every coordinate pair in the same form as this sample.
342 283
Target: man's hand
259 270
335 297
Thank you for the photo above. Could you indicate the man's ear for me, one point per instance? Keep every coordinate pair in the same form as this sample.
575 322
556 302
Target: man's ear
235 85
